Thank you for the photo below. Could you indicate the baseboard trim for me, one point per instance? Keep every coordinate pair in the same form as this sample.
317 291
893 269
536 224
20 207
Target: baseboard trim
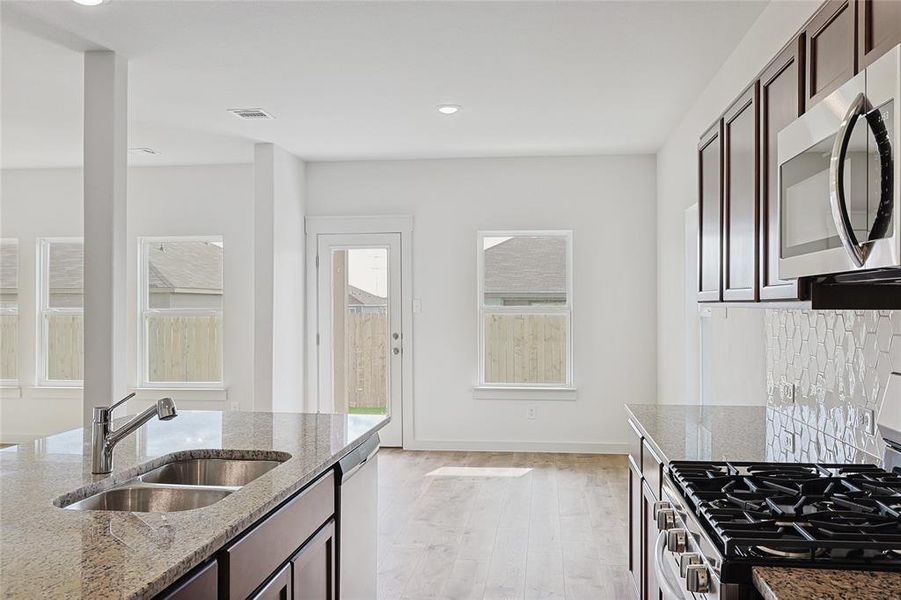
498 446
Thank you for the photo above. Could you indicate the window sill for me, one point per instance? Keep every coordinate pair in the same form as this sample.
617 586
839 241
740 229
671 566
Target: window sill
56 391
524 393
10 391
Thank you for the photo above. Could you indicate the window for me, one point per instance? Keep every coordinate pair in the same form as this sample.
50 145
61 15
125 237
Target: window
180 297
525 308
61 318
9 312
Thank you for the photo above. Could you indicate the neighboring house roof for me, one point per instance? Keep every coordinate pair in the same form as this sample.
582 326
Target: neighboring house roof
525 265
182 266
186 266
358 297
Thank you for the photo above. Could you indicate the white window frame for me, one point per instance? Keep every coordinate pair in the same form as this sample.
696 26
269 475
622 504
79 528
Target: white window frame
44 310
563 309
14 383
144 312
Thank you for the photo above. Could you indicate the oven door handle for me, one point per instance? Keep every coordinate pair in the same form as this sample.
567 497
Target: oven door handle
669 591
860 107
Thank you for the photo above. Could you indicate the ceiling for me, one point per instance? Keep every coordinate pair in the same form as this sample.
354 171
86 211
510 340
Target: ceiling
361 80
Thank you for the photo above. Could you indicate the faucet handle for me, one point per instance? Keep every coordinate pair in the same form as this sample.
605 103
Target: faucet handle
102 413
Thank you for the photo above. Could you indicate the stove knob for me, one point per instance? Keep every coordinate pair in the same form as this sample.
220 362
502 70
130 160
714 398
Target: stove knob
658 506
676 540
687 559
666 519
697 579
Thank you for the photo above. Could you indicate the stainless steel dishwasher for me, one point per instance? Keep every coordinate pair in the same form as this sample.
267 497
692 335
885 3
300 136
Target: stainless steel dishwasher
358 493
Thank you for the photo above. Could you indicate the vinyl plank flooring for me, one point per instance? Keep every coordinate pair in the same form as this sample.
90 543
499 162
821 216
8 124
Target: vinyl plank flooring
485 530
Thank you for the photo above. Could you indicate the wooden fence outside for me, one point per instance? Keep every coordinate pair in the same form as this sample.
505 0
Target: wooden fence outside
366 343
9 346
525 348
186 348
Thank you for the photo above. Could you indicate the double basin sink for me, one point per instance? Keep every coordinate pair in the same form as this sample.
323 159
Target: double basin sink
179 485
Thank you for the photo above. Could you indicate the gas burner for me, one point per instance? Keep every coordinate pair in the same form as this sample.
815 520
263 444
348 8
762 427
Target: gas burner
810 514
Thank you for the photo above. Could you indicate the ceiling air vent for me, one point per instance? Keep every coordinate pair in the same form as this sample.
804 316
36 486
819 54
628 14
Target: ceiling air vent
251 114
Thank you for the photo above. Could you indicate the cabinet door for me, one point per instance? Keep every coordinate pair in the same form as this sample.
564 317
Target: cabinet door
740 198
710 213
878 29
649 527
831 48
635 521
781 102
277 588
314 567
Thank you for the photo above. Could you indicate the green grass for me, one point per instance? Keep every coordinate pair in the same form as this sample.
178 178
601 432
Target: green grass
366 410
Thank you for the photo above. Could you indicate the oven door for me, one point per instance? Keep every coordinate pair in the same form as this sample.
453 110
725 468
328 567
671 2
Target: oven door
838 198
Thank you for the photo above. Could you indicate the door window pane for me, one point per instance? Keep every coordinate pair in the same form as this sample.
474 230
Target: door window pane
360 330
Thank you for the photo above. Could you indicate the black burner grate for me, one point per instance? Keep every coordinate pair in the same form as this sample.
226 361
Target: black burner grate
844 515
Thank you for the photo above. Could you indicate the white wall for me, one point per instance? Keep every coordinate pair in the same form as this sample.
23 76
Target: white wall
208 200
609 203
741 337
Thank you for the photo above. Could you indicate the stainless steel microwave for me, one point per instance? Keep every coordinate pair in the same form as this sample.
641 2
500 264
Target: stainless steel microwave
839 208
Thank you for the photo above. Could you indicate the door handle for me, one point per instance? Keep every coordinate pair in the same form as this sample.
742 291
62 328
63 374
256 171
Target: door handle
860 107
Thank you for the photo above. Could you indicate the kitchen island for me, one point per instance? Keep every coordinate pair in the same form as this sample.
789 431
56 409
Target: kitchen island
52 552
668 433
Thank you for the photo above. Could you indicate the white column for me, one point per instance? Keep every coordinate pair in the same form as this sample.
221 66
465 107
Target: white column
278 356
105 158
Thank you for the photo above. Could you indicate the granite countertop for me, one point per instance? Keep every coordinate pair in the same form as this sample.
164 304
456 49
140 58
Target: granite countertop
779 583
683 432
50 552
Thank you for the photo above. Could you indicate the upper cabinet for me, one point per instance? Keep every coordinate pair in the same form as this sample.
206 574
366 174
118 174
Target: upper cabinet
878 29
710 212
740 197
781 102
831 48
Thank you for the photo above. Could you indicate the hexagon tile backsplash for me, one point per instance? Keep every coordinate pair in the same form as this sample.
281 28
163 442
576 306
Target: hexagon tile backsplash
826 374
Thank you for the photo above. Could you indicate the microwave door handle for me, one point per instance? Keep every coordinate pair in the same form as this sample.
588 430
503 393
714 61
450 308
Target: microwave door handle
837 181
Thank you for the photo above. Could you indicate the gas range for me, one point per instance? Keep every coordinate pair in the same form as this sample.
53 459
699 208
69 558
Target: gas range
801 515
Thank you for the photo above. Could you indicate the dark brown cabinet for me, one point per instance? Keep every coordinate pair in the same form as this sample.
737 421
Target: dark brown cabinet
831 37
740 197
201 584
279 587
314 567
878 29
635 522
649 527
710 213
781 102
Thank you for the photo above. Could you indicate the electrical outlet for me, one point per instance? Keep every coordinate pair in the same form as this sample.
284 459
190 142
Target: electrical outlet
792 391
233 405
531 413
788 441
868 421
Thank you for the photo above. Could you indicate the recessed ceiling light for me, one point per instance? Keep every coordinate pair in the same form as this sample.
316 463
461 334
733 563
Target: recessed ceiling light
89 2
448 109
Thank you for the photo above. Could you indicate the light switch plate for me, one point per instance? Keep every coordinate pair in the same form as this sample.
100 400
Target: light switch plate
531 413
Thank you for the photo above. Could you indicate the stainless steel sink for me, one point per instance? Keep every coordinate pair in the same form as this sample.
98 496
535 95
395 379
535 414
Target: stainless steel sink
220 472
151 499
179 485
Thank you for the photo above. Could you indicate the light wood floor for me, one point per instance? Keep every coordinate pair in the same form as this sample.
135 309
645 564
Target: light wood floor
558 530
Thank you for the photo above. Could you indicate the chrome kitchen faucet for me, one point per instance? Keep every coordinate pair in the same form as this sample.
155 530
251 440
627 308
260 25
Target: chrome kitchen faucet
104 438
